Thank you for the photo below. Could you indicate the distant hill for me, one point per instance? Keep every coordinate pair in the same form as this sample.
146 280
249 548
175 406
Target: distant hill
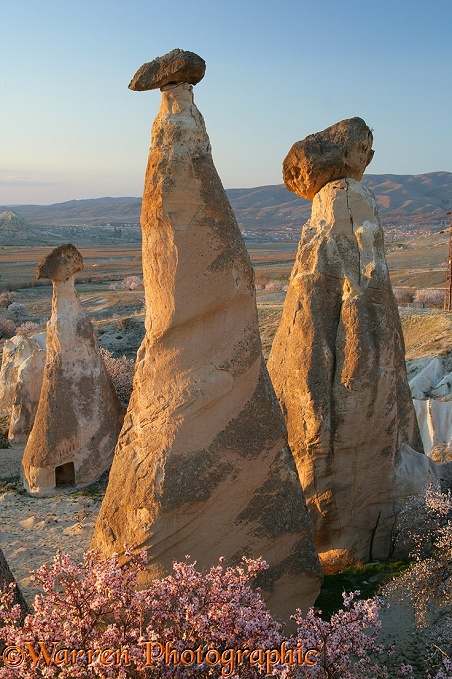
15 230
13 227
12 223
408 202
89 212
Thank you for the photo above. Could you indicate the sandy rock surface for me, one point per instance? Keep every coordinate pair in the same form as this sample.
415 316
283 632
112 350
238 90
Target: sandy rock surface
34 528
202 465
337 364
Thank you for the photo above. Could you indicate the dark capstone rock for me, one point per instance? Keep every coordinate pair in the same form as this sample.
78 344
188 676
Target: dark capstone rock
60 264
178 66
342 150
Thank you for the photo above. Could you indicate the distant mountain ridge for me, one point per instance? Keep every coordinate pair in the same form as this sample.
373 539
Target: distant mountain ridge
411 201
91 211
13 225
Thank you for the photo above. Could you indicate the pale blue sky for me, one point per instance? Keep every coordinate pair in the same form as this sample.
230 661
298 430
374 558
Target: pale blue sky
276 72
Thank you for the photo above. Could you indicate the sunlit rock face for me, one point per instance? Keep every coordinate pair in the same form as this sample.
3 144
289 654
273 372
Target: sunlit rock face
202 465
20 383
78 416
338 367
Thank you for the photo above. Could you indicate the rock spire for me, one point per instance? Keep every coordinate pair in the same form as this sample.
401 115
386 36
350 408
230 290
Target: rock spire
78 416
202 465
338 368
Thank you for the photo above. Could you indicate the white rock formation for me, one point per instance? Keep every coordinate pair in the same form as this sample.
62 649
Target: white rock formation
435 424
20 383
422 383
431 389
78 416
202 465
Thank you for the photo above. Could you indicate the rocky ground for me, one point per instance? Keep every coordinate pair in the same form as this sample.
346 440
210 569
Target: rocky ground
427 333
33 528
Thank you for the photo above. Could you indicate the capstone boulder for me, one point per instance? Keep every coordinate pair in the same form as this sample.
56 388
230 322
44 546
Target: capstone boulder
342 151
178 66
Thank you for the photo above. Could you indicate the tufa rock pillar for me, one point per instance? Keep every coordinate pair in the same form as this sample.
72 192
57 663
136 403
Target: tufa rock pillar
78 416
202 466
338 358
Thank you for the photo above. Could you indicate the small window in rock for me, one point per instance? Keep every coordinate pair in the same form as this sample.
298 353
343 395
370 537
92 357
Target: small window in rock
65 475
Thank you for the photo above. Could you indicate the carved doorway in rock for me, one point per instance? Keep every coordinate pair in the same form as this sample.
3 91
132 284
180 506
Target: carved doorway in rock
65 475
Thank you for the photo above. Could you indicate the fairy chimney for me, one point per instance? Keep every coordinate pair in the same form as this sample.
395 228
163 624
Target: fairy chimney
78 416
202 465
338 359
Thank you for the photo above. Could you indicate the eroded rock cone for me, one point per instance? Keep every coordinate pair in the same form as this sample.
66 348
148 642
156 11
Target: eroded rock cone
78 416
342 150
202 465
338 367
7 578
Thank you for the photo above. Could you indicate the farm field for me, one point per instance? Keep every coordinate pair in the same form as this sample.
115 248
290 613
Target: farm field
418 263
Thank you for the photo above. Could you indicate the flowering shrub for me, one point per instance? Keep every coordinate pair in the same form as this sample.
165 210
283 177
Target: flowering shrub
425 525
215 609
189 624
274 286
84 606
431 297
347 644
95 605
121 372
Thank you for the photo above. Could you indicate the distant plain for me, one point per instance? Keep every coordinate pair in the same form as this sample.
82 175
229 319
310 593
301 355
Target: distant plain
415 263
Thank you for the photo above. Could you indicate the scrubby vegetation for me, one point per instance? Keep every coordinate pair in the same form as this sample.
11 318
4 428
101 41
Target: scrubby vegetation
425 526
424 297
7 328
207 617
215 623
121 372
